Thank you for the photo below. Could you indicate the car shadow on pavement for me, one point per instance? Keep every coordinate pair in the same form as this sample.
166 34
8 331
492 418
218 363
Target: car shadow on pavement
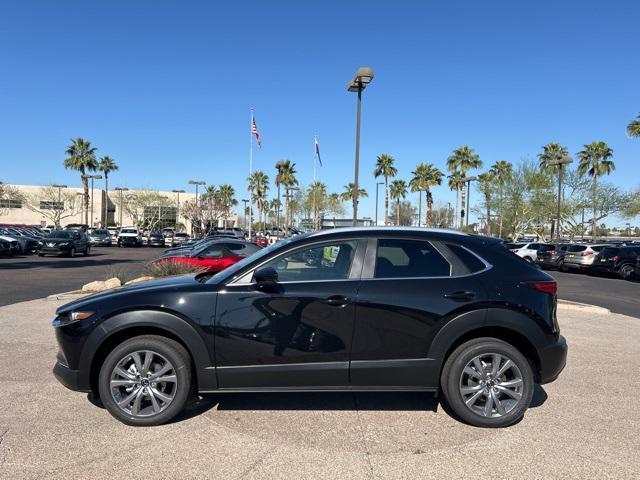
70 263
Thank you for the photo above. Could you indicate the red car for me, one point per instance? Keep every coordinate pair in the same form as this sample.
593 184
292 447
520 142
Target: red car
215 256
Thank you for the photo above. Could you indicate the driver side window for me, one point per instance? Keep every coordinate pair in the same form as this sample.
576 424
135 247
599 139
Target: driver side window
327 261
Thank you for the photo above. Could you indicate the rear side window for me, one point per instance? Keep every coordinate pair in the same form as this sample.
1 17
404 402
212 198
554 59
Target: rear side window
399 258
471 263
597 248
546 248
576 248
609 251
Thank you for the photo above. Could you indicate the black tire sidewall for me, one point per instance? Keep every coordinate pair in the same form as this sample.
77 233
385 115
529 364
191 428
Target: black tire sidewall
453 369
173 352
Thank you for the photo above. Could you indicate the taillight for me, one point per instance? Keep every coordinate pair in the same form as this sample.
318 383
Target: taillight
552 252
585 254
615 258
549 287
515 250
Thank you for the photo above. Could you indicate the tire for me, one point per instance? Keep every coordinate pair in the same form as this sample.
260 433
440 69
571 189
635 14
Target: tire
149 413
72 252
87 251
529 259
626 271
454 379
41 254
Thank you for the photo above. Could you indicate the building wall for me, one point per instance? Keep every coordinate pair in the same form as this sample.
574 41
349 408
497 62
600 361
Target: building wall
28 216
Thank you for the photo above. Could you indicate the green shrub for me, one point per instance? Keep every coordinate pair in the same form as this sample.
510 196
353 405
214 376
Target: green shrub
169 268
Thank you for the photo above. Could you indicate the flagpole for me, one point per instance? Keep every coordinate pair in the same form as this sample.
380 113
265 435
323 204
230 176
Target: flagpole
250 172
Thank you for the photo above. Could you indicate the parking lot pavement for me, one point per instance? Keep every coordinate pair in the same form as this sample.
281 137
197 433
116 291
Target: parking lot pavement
30 276
587 427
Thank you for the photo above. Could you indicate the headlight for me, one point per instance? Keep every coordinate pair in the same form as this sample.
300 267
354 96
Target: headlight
69 318
40 243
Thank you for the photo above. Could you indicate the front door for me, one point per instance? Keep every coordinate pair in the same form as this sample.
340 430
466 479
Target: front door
297 334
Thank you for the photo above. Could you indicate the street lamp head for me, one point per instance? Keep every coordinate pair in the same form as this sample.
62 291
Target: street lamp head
85 176
97 177
362 78
121 189
56 185
562 161
196 182
178 191
473 178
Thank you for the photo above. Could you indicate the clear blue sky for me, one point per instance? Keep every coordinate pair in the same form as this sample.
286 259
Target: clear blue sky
165 87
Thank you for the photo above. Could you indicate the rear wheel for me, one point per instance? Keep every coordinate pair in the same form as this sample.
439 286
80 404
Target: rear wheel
87 251
626 271
145 380
487 383
529 259
72 252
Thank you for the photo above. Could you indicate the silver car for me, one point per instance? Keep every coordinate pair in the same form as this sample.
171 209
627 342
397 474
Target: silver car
580 257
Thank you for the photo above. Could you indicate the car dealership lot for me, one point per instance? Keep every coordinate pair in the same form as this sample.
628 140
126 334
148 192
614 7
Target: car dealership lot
47 431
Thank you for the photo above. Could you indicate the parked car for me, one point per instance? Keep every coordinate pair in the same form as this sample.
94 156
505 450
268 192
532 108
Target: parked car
155 239
395 309
620 261
528 251
64 242
129 237
100 237
14 246
5 248
580 257
179 238
214 256
113 232
552 255
24 243
77 226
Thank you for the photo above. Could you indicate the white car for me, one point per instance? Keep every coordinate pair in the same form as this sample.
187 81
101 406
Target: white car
528 251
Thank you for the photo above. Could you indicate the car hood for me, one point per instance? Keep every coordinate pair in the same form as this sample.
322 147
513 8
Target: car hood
56 239
177 253
169 283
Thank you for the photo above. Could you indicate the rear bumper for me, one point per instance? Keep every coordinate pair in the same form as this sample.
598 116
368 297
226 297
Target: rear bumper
69 378
553 360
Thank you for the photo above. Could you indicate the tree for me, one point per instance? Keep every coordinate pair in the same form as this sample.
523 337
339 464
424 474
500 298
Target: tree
486 187
144 207
501 171
462 160
106 166
425 176
398 191
633 129
349 190
9 193
385 168
259 185
550 155
227 197
456 182
404 212
316 202
595 160
54 204
211 208
81 156
287 178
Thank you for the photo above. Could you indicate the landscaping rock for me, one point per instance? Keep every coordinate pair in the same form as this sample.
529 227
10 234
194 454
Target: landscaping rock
144 278
100 286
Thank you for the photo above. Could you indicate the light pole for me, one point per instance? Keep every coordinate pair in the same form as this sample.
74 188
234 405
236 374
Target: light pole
468 180
197 183
246 201
59 187
178 210
92 177
120 190
377 186
449 215
358 83
560 163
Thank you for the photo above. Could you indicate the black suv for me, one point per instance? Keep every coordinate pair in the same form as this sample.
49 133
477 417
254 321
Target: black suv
616 260
64 242
378 309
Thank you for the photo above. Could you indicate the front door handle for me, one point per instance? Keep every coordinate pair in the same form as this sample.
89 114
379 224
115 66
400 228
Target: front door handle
337 300
462 296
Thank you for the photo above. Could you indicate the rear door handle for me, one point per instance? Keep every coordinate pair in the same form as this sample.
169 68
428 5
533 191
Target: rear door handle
337 300
462 296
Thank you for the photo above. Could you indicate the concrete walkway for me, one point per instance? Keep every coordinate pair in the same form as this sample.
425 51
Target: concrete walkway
588 427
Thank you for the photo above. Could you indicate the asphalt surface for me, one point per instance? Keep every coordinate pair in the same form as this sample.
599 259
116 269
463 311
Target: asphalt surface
584 425
30 277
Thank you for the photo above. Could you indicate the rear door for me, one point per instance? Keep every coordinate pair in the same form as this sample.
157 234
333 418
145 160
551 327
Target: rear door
409 288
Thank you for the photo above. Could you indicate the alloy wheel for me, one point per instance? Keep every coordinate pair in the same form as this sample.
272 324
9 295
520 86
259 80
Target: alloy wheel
626 271
143 383
491 385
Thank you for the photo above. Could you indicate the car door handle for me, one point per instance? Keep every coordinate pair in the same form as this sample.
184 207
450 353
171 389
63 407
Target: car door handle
463 296
337 300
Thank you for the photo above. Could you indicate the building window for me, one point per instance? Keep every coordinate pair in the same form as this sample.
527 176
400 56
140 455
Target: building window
46 205
159 217
10 203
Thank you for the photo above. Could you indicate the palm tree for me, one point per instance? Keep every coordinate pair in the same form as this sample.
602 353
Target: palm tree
456 182
106 166
259 185
462 160
595 160
317 194
227 197
398 191
210 197
550 155
349 189
385 168
425 176
501 171
633 129
279 165
485 185
81 156
287 178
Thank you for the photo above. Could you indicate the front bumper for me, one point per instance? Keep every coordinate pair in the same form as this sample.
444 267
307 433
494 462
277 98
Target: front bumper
129 241
69 378
104 242
553 359
54 250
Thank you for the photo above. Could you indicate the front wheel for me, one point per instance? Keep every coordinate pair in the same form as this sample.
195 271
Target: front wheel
487 383
87 251
145 380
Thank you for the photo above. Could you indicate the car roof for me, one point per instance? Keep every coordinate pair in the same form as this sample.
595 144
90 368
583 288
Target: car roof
385 230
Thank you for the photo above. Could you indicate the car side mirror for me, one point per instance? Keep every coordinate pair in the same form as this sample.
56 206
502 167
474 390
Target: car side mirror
266 278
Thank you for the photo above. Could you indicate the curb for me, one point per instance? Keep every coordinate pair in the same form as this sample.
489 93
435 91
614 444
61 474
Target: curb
582 307
67 295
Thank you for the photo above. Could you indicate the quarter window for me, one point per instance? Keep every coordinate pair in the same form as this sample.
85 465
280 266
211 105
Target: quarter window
328 261
397 258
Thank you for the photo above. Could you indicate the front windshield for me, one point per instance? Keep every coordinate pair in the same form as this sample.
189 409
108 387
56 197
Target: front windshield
60 234
236 267
100 232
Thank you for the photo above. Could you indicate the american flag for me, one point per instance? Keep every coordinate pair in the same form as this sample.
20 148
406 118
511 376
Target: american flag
317 150
254 131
